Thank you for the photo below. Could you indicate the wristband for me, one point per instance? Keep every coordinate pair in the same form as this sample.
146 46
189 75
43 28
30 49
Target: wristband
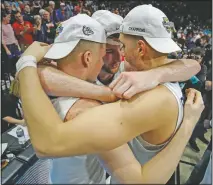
26 61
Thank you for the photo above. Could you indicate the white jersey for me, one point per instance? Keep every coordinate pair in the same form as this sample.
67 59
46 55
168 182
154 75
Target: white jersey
144 151
84 169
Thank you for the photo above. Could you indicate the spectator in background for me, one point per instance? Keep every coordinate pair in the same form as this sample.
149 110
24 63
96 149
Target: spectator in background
208 50
10 44
84 10
23 31
21 5
116 11
77 9
27 14
8 10
61 13
49 28
50 10
36 6
38 31
52 5
41 12
69 9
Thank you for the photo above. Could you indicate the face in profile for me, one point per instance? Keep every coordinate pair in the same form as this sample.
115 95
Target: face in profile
112 59
7 19
130 50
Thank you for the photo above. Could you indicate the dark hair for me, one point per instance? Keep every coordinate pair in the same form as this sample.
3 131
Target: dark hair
3 15
115 35
205 37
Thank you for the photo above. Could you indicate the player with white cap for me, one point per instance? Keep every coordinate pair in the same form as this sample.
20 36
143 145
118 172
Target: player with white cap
78 50
109 125
178 70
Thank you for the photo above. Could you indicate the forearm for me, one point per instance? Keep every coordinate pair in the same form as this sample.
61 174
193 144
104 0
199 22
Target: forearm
5 46
177 71
35 103
14 120
161 167
58 83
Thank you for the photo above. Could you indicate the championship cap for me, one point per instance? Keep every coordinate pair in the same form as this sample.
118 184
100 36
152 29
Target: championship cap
71 31
110 21
153 25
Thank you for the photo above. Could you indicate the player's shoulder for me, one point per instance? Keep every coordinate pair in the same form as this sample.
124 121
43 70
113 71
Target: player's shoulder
162 99
80 106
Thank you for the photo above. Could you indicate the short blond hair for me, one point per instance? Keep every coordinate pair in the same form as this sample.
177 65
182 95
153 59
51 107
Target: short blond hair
82 47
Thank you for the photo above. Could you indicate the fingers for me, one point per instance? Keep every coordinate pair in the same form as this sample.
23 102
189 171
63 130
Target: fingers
43 44
118 87
129 93
198 98
190 96
122 89
114 82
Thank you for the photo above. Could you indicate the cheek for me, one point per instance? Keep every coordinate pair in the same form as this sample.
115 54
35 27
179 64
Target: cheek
107 59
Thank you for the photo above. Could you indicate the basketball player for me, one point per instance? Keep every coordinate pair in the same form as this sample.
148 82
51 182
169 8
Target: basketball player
57 83
109 125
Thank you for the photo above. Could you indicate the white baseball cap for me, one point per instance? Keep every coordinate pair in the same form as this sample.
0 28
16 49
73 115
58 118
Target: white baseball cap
153 25
71 31
110 21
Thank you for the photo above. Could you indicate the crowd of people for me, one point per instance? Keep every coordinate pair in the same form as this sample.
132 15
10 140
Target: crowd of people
24 22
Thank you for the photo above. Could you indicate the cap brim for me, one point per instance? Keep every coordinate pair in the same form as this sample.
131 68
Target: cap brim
61 50
163 45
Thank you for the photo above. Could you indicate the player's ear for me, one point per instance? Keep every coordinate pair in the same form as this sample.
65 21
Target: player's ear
141 48
87 59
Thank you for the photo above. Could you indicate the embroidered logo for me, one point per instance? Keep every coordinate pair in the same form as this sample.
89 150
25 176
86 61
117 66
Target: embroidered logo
167 24
59 29
136 29
87 31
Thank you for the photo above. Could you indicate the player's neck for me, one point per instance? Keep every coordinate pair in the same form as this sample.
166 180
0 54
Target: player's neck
155 62
73 69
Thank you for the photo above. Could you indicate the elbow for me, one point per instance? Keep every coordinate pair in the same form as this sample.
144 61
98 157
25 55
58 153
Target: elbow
194 66
47 146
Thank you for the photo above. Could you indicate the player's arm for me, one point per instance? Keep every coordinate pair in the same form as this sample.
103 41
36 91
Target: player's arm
12 120
174 71
122 164
94 130
130 83
58 83
178 70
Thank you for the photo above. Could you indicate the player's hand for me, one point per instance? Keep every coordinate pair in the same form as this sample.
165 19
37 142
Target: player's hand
38 50
193 107
208 85
129 84
8 52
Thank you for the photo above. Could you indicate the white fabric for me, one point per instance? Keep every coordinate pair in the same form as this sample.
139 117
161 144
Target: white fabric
84 169
153 25
144 151
71 31
26 61
110 21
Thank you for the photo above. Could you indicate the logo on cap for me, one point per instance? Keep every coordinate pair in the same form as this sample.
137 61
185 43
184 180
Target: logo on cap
136 29
166 24
59 29
87 31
